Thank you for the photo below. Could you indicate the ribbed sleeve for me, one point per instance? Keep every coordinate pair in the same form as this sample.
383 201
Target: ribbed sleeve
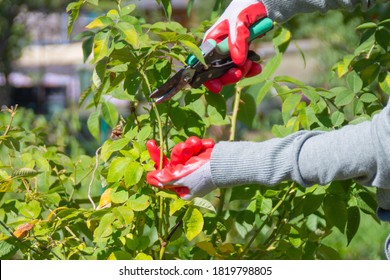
360 152
267 163
282 10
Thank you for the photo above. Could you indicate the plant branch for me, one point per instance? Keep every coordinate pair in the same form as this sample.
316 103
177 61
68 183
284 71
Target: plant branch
236 108
268 218
26 246
93 178
12 111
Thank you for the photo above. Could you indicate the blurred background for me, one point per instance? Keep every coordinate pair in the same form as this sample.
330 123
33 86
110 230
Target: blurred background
42 70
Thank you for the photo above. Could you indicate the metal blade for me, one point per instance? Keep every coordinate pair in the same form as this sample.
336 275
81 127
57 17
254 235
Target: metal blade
173 85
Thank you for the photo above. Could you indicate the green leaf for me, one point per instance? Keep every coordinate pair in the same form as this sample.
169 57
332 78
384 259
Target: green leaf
246 192
104 230
31 210
264 204
176 205
385 84
367 42
87 48
203 203
101 45
327 253
247 109
194 125
73 10
143 257
382 37
311 203
268 70
281 40
189 7
368 98
281 131
124 214
264 89
355 83
370 73
337 118
290 80
93 124
360 119
366 202
113 14
192 223
119 196
120 255
144 133
127 9
100 22
133 173
98 75
195 50
138 202
353 222
335 209
208 247
110 114
342 67
111 146
167 8
344 98
218 102
7 249
366 25
117 169
129 33
289 106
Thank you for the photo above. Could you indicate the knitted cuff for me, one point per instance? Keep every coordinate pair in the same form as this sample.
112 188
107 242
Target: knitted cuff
282 10
266 163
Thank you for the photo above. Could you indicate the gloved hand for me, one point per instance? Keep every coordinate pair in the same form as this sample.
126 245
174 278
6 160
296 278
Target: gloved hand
234 23
188 171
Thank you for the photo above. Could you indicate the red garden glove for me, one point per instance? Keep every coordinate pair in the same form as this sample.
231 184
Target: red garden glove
186 159
234 23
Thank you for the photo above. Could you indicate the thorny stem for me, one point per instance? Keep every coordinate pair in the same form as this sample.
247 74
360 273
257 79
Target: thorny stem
280 223
236 107
11 110
232 136
267 219
93 178
160 199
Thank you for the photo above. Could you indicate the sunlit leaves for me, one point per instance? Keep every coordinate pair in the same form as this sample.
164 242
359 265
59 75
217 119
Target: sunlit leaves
100 22
117 169
101 45
73 10
192 223
94 124
247 110
129 33
110 113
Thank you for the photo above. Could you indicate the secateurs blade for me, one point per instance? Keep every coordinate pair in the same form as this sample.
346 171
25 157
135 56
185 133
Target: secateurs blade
218 62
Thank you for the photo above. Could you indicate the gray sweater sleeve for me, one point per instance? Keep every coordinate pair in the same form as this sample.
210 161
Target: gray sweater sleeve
360 152
282 10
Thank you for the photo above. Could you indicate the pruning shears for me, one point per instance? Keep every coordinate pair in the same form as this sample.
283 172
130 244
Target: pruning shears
218 62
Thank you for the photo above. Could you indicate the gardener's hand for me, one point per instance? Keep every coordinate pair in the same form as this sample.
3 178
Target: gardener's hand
234 23
188 171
